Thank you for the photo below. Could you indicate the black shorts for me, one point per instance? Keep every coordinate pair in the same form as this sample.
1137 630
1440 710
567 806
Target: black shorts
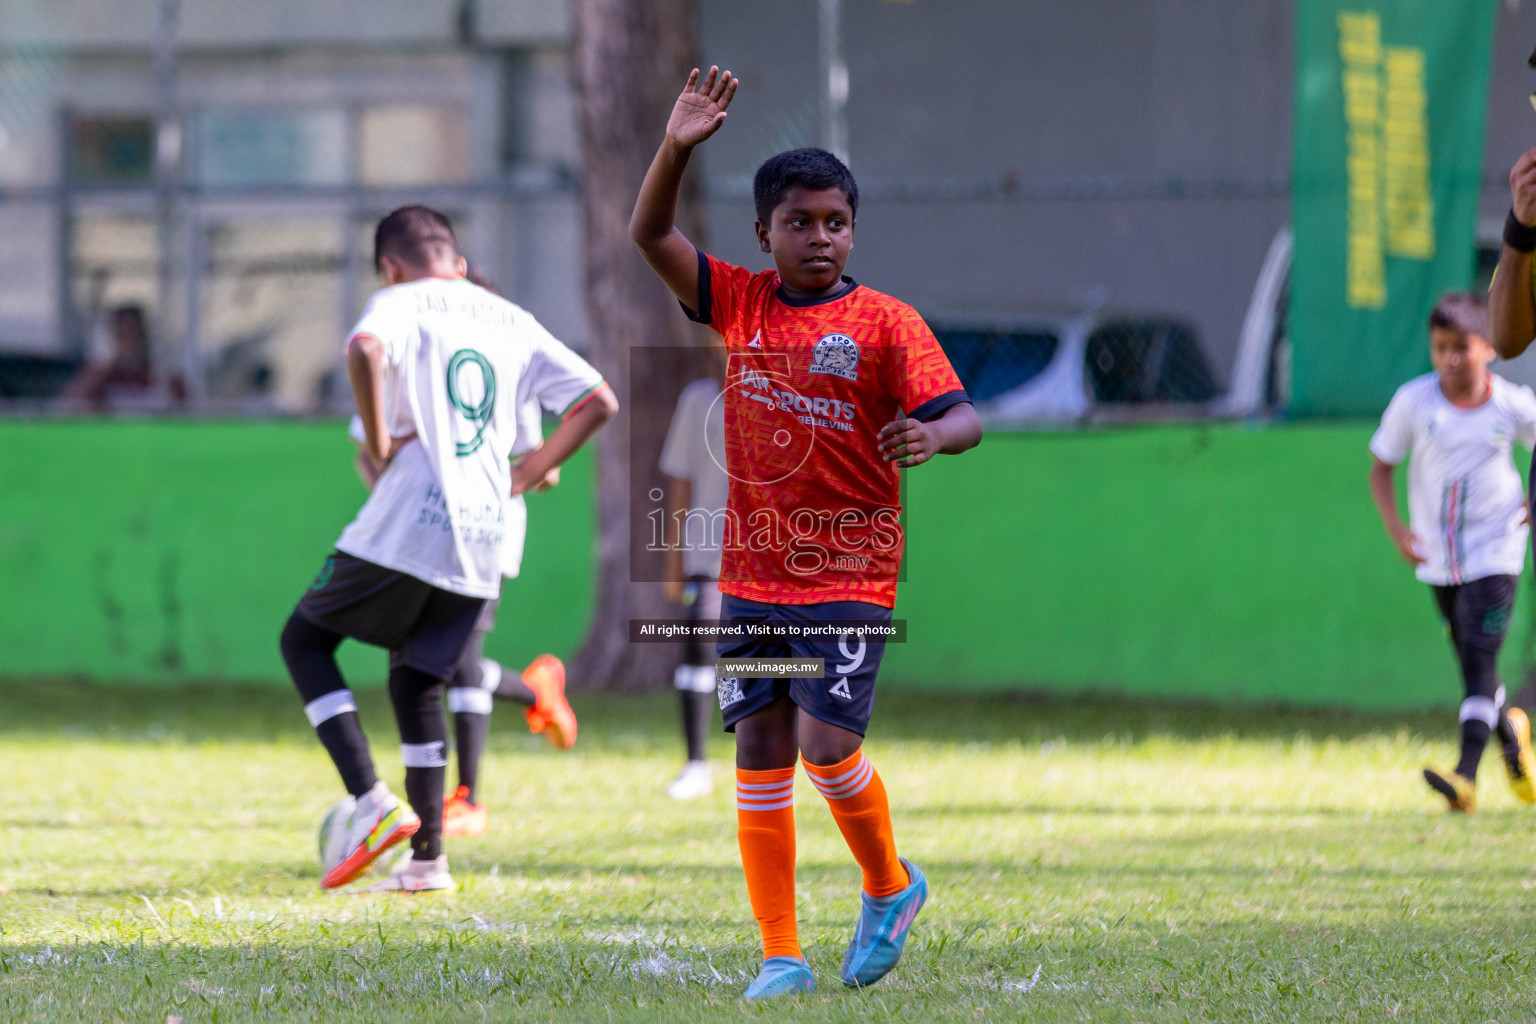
422 626
845 698
1477 612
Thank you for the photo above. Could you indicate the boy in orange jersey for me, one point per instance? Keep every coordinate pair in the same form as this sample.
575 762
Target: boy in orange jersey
830 387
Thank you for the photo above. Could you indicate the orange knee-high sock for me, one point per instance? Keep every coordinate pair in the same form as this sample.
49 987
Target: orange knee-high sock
765 830
857 797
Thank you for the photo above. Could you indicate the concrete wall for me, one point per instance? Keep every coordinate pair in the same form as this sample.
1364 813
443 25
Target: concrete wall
999 91
1041 147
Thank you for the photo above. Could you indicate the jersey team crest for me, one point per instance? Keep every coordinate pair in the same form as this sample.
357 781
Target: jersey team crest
836 354
729 691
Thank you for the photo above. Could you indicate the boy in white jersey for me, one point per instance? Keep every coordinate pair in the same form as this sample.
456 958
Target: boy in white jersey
438 368
479 681
1467 525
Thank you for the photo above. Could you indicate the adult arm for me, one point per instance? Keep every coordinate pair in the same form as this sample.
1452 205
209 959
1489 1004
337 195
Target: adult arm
679 501
1511 308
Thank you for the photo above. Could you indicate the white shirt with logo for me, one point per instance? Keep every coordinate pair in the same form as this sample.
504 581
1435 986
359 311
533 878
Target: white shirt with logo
1465 498
695 451
461 368
530 434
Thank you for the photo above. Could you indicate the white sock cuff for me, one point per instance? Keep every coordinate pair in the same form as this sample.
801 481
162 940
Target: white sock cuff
1480 709
328 706
424 755
470 699
490 675
1498 698
694 678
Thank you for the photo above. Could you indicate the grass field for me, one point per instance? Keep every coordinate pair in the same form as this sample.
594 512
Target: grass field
1090 860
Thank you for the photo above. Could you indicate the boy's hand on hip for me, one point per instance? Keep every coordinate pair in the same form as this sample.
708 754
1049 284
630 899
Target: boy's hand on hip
908 442
698 114
1407 545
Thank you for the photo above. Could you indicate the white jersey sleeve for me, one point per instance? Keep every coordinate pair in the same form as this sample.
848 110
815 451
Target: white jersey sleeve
1522 407
1394 438
557 378
381 318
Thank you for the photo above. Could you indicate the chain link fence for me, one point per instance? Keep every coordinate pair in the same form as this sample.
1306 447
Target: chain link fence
1091 367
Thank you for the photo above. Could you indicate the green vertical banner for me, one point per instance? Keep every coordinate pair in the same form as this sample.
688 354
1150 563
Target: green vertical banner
1390 98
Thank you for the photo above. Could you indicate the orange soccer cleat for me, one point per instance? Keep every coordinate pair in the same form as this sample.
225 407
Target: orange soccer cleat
552 715
462 819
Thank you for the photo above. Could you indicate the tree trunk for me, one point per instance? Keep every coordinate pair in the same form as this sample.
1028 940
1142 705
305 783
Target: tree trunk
632 58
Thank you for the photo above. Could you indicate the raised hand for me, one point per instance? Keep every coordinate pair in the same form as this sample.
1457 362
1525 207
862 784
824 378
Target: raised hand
699 112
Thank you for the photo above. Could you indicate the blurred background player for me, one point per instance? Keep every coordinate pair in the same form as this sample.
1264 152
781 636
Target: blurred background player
697 486
1467 523
438 368
808 348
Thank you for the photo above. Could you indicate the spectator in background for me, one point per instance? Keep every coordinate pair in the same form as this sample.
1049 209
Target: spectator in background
125 380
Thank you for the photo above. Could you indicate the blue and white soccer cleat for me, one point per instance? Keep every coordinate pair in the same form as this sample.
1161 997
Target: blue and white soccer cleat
884 922
781 976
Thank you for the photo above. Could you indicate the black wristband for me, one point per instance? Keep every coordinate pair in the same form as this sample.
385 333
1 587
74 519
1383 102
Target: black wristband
1517 236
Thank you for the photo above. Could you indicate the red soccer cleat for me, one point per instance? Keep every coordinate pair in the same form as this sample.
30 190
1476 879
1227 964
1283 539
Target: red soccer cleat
552 715
462 819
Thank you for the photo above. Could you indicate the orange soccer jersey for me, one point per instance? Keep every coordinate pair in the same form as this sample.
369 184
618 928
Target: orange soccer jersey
815 511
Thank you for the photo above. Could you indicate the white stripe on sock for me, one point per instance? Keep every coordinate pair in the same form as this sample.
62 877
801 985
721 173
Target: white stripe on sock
470 699
1480 709
328 706
423 755
694 678
490 675
765 796
847 784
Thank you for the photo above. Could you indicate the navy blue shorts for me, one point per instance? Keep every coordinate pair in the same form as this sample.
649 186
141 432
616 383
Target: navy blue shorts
845 698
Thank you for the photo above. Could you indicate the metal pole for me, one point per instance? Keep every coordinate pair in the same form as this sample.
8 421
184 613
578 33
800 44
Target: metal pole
167 163
834 81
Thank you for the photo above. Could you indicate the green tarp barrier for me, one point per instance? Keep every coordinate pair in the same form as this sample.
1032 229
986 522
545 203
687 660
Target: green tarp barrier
1210 562
1390 97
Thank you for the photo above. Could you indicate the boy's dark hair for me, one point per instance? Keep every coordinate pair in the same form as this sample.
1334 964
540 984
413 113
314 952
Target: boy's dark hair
810 167
410 233
1461 311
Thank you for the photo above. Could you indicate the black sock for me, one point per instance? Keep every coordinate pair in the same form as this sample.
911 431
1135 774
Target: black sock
469 733
310 653
418 701
1474 737
343 738
514 689
423 787
698 716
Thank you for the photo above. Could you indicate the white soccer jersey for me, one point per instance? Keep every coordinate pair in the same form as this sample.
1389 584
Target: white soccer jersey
1465 498
459 364
530 434
695 451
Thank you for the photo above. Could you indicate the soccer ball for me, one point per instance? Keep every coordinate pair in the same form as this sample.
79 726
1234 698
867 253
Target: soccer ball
333 832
